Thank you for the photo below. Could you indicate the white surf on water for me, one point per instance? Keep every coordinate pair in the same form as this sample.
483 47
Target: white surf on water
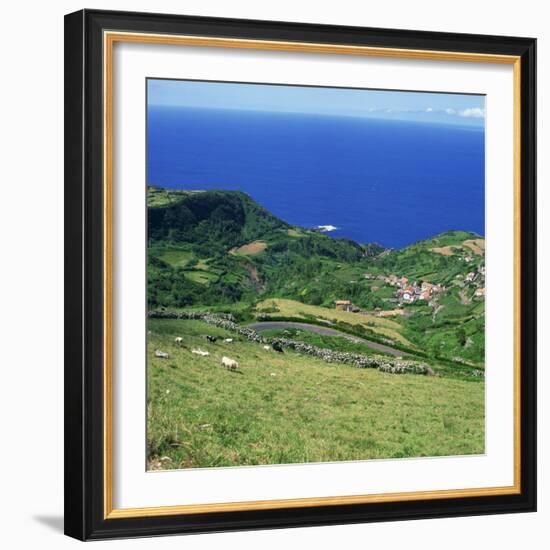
326 228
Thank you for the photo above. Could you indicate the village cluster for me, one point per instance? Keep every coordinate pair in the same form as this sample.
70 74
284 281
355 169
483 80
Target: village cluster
408 292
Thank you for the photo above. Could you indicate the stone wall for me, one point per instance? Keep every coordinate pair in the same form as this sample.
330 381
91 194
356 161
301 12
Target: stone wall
228 322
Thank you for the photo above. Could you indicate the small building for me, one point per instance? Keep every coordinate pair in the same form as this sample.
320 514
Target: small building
408 294
425 295
343 305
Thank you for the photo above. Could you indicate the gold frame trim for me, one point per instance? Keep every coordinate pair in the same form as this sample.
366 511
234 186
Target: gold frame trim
109 39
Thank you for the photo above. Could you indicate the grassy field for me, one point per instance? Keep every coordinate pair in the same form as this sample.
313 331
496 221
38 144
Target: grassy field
176 257
291 308
288 408
201 277
250 249
477 246
157 196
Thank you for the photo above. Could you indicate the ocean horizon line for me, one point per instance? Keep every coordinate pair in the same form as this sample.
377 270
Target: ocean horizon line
473 125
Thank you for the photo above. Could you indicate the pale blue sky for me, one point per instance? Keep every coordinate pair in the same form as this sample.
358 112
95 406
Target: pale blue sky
465 110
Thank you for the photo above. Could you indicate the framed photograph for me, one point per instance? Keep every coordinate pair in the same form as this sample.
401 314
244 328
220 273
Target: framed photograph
300 274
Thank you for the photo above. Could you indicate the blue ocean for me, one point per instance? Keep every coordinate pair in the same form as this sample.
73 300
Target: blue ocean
384 181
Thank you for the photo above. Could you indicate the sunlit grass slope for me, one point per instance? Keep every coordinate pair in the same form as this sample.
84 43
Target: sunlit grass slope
287 408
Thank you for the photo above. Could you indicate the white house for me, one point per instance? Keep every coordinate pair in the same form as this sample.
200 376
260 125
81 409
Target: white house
408 295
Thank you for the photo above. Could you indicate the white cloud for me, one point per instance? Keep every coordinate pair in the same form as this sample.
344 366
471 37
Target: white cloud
472 112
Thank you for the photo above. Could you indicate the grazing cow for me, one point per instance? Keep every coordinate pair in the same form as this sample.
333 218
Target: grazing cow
161 354
178 340
277 347
199 351
229 364
266 347
211 339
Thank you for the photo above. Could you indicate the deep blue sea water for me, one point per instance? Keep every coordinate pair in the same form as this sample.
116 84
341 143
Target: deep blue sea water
379 181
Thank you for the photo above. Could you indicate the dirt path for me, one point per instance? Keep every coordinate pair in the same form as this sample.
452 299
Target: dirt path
326 331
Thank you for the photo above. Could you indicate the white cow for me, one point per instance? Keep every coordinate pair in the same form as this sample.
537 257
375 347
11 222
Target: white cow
178 340
161 354
230 364
199 351
228 340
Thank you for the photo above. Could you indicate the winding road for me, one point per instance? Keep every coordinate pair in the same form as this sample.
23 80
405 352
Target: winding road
325 331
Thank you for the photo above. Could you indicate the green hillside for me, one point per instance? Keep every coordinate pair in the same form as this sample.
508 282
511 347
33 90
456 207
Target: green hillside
221 251
198 244
438 259
213 219
290 408
226 278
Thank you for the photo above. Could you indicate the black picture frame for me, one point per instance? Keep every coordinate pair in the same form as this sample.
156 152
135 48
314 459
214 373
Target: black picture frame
84 281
